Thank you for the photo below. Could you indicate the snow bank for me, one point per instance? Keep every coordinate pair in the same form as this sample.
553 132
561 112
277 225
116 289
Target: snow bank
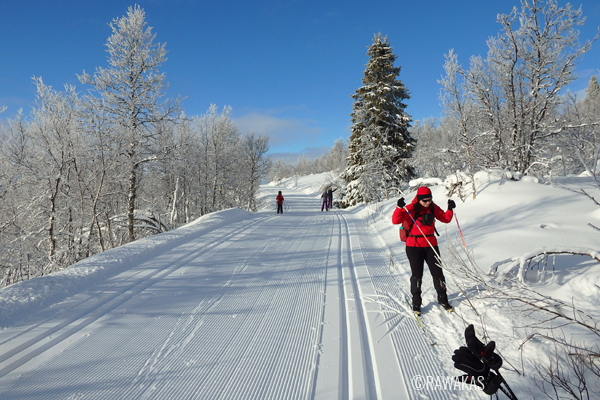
29 296
518 266
415 183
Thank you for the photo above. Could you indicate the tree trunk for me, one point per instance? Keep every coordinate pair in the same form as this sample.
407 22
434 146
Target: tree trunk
131 200
51 236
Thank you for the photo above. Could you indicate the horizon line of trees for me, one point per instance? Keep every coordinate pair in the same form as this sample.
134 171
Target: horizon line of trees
335 160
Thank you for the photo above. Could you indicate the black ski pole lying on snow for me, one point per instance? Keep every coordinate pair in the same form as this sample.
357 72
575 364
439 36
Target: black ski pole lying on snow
481 364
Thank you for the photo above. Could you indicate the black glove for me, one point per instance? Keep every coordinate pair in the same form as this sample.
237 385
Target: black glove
478 373
401 202
467 362
451 204
484 352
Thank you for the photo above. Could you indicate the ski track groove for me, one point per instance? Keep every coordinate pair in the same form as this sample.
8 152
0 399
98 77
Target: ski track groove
324 298
345 359
217 326
355 356
369 368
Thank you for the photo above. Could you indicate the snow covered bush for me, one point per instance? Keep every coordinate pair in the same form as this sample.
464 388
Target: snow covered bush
557 338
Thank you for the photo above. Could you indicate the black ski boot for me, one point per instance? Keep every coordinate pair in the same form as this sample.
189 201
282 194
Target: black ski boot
443 300
447 306
416 309
415 290
442 296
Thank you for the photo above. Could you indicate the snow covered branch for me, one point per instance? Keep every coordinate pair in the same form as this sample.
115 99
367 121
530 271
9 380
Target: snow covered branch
522 262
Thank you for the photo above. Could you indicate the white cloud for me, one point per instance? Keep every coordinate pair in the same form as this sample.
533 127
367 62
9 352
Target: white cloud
292 157
281 130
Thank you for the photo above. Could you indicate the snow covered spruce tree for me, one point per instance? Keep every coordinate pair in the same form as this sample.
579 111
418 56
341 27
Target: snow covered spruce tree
130 92
380 146
592 98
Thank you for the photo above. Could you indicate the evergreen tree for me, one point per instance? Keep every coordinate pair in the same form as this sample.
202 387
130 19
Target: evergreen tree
592 98
380 144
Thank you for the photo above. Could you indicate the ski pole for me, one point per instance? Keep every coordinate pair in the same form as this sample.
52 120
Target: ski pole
463 241
507 391
460 231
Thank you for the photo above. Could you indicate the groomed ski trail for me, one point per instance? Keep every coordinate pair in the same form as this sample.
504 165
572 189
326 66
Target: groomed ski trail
266 307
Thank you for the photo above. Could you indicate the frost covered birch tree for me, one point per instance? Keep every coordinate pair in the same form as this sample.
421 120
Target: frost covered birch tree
256 166
537 60
457 107
579 139
220 147
130 92
83 174
438 153
380 145
516 92
55 159
48 180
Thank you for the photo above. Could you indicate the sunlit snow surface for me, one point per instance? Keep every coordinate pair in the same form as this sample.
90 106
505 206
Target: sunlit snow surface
303 305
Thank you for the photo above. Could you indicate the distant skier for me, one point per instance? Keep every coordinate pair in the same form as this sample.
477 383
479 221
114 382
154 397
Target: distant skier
421 243
324 201
330 197
279 199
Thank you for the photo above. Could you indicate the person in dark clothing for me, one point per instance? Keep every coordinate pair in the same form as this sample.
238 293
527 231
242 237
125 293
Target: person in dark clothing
279 199
330 197
324 201
421 243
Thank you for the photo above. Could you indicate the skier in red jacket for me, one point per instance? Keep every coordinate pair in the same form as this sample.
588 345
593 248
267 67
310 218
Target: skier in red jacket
421 243
279 199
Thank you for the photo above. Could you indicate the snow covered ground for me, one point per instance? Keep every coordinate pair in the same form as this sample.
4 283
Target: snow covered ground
304 305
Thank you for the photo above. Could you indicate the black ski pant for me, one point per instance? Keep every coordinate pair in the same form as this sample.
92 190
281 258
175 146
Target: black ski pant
279 208
417 256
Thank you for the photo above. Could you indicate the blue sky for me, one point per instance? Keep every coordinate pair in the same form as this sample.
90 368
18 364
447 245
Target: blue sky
287 68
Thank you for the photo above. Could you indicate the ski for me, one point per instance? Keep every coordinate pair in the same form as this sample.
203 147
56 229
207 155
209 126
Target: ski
418 317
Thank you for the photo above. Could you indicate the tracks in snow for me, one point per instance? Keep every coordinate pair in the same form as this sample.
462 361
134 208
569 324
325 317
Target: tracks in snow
48 334
272 308
347 365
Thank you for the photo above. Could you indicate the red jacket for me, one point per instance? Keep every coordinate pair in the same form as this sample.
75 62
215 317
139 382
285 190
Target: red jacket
279 199
415 236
